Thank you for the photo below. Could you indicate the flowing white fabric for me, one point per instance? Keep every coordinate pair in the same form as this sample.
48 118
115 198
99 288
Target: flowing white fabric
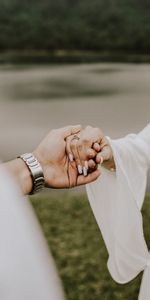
116 199
27 271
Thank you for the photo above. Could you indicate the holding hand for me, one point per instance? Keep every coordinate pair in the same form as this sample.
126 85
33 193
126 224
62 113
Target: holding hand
65 157
59 171
88 149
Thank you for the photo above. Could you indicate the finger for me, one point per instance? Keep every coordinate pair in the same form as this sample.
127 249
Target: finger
92 135
69 130
91 153
68 148
85 154
69 140
82 154
84 164
96 147
92 170
76 129
72 174
74 152
89 178
91 164
104 155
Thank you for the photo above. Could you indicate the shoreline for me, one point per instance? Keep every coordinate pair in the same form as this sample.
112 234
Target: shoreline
69 57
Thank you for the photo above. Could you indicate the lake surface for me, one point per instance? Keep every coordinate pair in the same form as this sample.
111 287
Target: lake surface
35 99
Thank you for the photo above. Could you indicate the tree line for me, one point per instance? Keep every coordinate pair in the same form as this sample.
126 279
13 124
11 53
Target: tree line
94 25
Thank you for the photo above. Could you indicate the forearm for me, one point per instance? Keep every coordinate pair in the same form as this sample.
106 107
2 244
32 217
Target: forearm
19 170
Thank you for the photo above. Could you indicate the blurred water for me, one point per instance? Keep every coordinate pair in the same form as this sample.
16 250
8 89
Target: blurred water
35 99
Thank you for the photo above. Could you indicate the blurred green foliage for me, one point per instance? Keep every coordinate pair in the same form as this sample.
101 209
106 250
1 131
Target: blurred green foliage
97 25
78 248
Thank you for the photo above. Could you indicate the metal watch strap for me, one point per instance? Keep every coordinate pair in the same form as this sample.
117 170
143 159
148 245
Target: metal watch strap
35 170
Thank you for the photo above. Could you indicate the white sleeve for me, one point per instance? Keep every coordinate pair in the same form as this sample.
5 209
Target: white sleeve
27 270
116 199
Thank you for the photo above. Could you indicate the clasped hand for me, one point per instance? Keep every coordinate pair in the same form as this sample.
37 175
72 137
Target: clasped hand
69 156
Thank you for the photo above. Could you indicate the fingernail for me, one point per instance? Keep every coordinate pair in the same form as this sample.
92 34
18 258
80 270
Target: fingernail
85 171
79 169
101 160
70 157
86 164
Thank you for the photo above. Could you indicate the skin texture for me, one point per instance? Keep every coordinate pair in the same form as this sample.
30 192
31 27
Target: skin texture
18 169
66 161
91 148
59 171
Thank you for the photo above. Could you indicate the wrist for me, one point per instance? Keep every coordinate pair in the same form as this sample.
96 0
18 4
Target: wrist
21 173
46 167
35 170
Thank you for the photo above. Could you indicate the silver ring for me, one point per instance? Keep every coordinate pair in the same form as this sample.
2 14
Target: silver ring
75 137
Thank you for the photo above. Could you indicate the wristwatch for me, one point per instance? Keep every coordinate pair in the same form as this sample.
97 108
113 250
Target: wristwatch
35 171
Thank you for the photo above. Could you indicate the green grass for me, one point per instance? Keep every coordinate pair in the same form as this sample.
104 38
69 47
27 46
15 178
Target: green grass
77 246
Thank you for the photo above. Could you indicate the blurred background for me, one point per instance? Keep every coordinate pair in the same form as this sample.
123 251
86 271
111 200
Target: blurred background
67 62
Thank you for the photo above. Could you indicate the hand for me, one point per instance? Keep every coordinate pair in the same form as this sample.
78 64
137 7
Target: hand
59 171
89 148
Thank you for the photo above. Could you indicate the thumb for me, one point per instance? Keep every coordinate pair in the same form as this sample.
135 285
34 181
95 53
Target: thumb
105 154
70 130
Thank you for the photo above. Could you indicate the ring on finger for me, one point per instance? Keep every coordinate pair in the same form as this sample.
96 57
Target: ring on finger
75 137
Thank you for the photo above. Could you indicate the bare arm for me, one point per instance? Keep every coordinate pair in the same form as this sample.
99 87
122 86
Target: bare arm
58 171
18 169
